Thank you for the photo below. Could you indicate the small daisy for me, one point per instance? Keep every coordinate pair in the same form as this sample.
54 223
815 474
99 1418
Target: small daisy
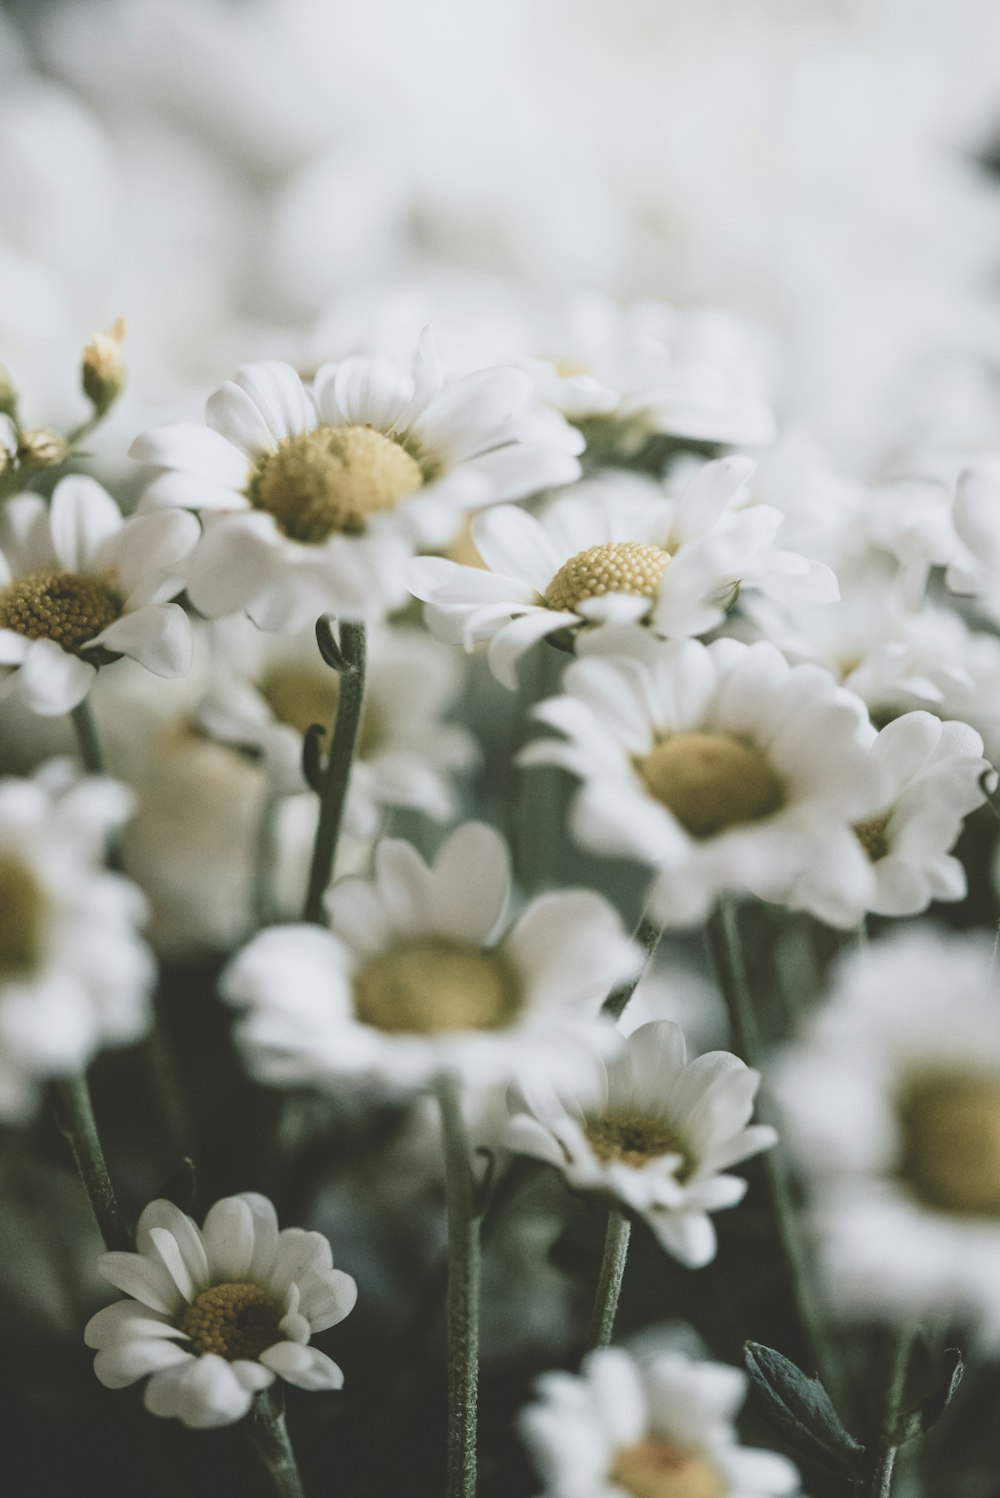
615 549
931 773
651 1132
420 972
315 501
892 1105
719 765
267 690
80 585
75 974
659 1427
216 1314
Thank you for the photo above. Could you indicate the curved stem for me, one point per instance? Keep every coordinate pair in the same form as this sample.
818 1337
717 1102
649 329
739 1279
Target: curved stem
463 1293
609 1284
727 959
87 739
76 1119
647 935
882 1461
333 791
269 1436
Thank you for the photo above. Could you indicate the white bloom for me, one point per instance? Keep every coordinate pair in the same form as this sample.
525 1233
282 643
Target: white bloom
651 1131
662 1424
266 690
78 580
616 549
977 523
892 1103
719 765
217 1313
421 973
74 972
315 502
930 773
654 369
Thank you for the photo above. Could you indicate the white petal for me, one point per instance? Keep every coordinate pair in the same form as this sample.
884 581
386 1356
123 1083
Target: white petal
229 1239
280 396
305 1367
233 563
127 1362
51 681
158 637
83 518
13 648
233 413
128 1321
147 549
143 1279
188 447
472 881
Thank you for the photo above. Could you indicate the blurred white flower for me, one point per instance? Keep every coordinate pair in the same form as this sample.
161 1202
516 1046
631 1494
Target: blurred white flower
75 974
892 1105
930 773
651 1132
663 1424
216 1314
720 766
77 578
421 973
266 690
616 549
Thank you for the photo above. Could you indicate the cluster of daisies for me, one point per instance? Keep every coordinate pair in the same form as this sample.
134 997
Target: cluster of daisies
765 683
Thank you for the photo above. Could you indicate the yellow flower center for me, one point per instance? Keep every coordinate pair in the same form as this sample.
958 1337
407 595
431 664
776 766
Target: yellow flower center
711 781
233 1320
951 1141
871 836
62 606
333 480
654 1468
22 906
616 567
300 697
634 1139
430 984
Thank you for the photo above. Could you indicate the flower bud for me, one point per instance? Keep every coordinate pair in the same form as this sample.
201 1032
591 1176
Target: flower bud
42 448
102 373
8 394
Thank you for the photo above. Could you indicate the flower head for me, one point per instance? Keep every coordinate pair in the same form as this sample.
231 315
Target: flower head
316 500
216 1314
651 1131
421 972
79 583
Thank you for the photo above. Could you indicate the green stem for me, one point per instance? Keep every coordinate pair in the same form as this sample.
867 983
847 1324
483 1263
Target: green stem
727 959
76 1119
883 1452
647 935
269 1436
609 1284
463 1293
87 739
333 791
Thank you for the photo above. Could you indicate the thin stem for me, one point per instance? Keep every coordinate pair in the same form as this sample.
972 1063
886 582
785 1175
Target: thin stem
269 1437
76 1119
647 935
87 739
463 1293
609 1285
883 1452
727 959
333 792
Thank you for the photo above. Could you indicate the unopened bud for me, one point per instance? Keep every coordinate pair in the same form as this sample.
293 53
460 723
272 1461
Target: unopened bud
42 448
8 394
102 372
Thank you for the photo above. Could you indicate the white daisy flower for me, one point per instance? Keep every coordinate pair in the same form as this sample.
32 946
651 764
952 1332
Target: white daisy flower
930 773
80 584
655 370
615 549
892 1104
721 766
216 1314
315 501
421 973
74 973
266 690
659 1427
650 1131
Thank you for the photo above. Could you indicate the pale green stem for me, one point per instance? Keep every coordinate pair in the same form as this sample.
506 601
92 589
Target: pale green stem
727 959
609 1284
269 1436
883 1452
336 775
87 739
76 1119
647 935
463 1292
